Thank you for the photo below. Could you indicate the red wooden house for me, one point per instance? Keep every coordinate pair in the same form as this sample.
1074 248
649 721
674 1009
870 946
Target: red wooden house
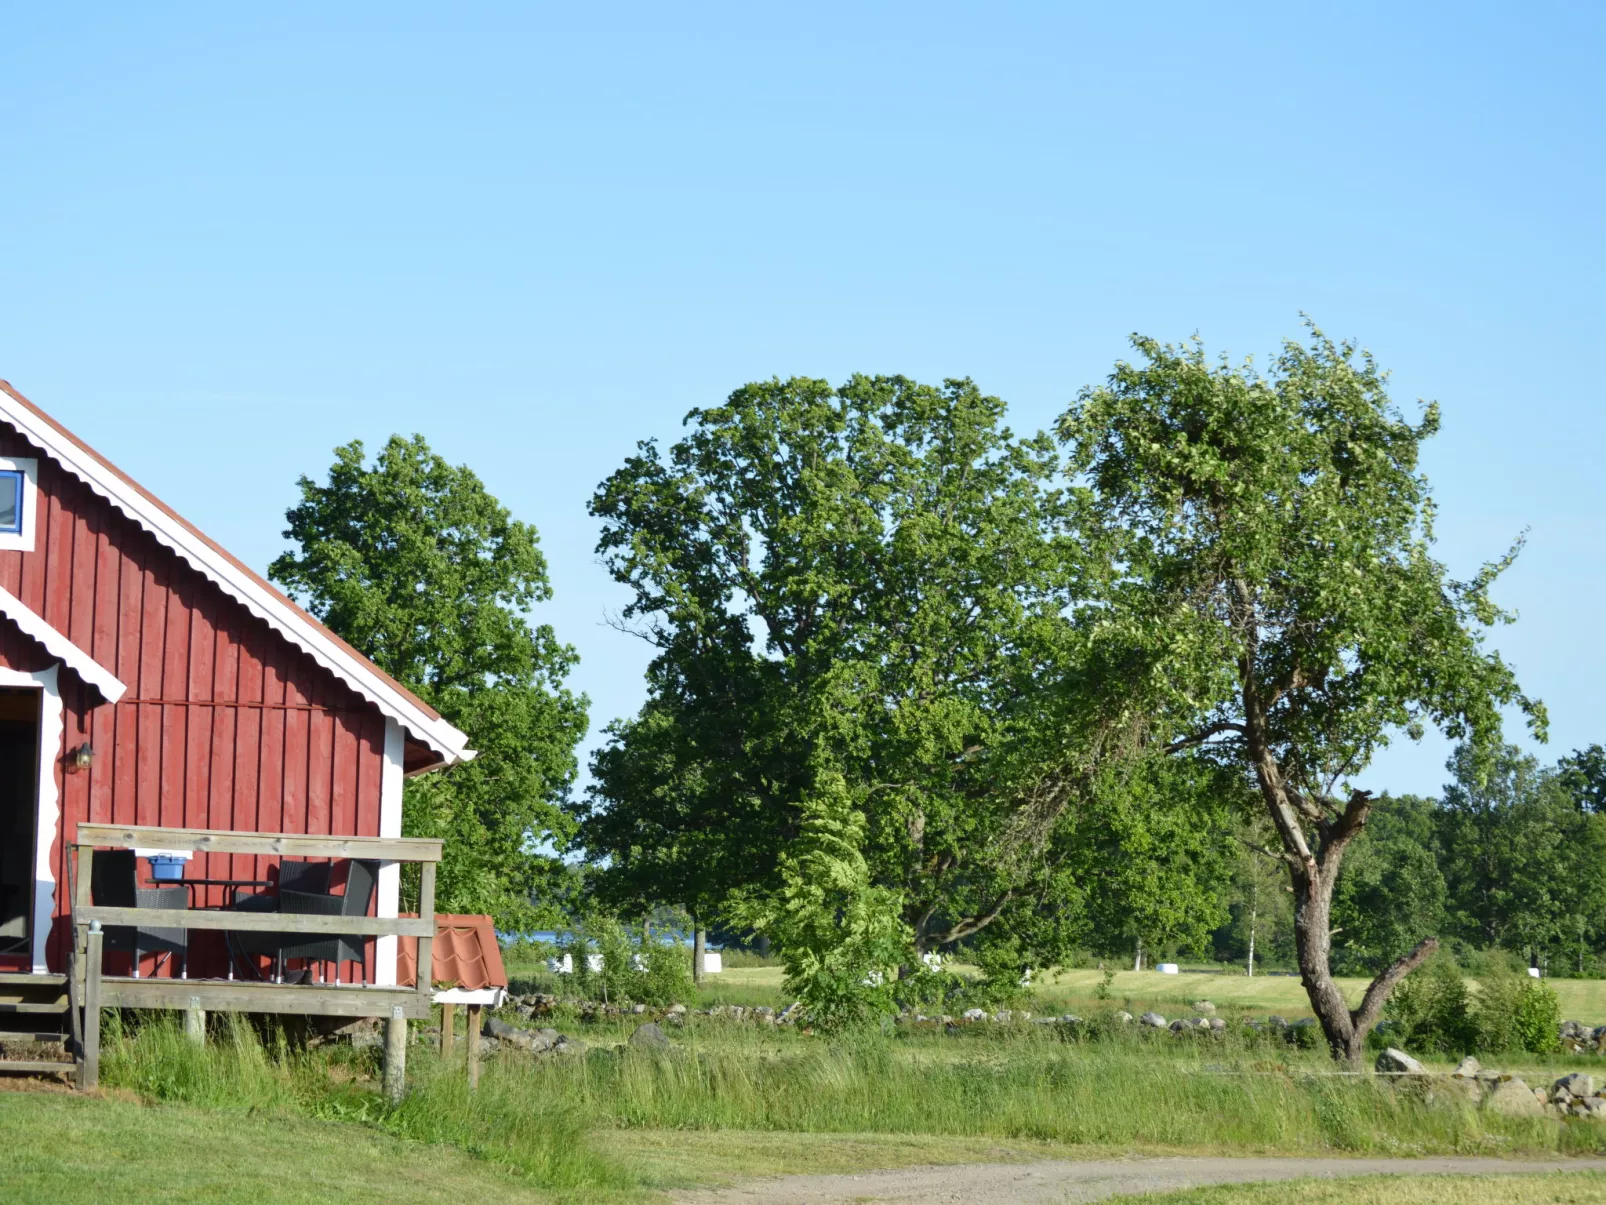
148 677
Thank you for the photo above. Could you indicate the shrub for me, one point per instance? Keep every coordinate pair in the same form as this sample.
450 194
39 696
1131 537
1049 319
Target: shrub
1431 1011
1515 1013
635 969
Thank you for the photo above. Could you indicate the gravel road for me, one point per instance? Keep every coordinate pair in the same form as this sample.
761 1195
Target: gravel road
1060 1182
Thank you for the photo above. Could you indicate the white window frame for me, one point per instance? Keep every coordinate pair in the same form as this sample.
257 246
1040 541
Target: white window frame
28 466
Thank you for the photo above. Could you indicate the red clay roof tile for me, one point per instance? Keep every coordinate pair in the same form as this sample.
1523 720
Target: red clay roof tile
465 954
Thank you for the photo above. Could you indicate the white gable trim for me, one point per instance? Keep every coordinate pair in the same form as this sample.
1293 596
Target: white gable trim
262 602
59 647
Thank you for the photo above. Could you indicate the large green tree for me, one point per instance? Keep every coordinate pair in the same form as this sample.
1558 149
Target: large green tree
862 602
1278 595
415 564
1522 858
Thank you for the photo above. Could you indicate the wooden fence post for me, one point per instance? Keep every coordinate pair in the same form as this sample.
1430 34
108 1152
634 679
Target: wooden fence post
395 1077
89 1071
473 1046
448 1028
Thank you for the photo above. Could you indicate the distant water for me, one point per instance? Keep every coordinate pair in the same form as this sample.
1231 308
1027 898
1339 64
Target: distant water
553 937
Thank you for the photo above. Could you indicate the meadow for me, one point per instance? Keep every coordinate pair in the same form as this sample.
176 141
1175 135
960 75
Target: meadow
728 1100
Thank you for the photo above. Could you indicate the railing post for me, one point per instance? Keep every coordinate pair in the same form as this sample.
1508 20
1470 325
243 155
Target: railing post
473 1046
426 943
448 1028
81 900
395 1075
89 1070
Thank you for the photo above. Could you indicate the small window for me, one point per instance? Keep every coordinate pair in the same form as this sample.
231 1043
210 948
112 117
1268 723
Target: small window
11 496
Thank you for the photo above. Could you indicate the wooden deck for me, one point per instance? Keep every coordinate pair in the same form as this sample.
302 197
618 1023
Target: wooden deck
90 990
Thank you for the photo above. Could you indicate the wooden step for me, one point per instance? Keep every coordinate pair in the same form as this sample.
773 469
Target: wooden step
30 979
31 1037
13 1007
35 1067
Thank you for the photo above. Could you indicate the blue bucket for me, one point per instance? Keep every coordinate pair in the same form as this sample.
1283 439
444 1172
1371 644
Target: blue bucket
166 868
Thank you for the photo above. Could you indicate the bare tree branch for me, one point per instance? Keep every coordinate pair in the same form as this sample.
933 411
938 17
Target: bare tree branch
1204 734
1378 992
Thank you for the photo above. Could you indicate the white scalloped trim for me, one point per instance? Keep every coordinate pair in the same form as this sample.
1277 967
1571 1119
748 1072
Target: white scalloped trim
358 673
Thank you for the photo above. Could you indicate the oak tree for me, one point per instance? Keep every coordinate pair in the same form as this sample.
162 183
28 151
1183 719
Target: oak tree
415 564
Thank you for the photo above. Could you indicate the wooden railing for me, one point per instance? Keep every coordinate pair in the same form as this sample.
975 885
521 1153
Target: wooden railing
198 996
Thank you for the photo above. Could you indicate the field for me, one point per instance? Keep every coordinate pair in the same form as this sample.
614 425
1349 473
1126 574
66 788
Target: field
1075 991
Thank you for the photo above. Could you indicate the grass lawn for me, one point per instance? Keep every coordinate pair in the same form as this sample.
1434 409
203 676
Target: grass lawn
1075 991
73 1149
1581 999
1565 1188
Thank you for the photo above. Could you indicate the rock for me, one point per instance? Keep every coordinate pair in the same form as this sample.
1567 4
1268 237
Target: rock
1153 1020
638 1009
1467 1068
1396 1062
649 1037
1205 1007
1124 1017
1277 1022
1574 1029
1217 1024
1004 1016
792 1012
763 1010
511 1035
568 1045
1045 1021
1513 1098
677 1010
975 1014
1465 1086
1576 1084
1067 1019
1593 1107
1179 1025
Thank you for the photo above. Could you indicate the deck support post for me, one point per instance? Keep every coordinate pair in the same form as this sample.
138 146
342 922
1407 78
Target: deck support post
395 1078
473 1045
89 1070
448 1028
195 1023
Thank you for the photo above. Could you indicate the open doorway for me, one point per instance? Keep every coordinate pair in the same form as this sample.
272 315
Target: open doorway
19 809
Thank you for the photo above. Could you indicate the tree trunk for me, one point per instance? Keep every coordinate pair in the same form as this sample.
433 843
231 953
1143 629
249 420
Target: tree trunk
1313 874
699 943
1252 914
1137 962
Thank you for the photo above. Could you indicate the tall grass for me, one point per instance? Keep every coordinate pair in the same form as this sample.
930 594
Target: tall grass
534 1116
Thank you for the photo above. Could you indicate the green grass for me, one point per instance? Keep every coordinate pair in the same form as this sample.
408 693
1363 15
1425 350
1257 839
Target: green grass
1077 991
732 1100
1562 1188
74 1150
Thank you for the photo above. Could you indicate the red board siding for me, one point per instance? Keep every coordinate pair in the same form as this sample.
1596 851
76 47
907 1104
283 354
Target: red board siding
225 724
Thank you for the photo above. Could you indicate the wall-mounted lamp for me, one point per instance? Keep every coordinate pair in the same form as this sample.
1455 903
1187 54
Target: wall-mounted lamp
81 757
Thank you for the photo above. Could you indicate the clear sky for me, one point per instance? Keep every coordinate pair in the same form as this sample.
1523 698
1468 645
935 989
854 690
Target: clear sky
232 237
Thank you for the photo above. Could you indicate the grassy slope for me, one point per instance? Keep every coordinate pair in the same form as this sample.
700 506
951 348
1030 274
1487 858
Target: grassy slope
72 1149
1567 1188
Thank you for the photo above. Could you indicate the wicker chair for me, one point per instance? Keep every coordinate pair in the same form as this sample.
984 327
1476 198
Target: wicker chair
113 883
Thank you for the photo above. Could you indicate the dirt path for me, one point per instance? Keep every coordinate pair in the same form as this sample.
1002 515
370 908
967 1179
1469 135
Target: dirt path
1060 1182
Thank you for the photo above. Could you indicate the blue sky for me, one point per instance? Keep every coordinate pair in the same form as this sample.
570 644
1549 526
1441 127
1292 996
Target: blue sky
233 237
